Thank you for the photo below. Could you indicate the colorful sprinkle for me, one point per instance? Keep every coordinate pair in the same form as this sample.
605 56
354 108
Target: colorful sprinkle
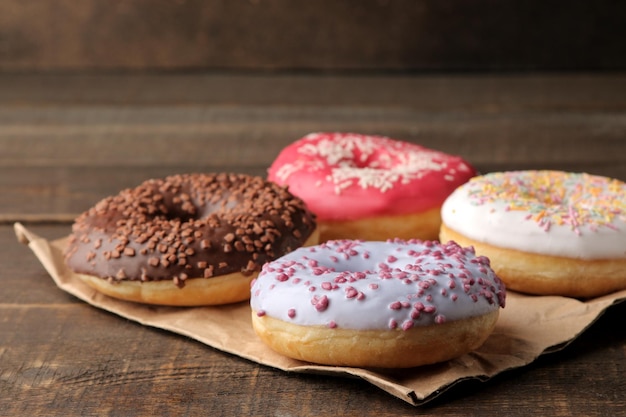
555 197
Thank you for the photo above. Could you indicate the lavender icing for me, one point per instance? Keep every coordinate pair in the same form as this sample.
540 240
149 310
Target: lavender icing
377 285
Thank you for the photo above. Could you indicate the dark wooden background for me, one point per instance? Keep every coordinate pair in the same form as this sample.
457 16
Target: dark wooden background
329 35
99 95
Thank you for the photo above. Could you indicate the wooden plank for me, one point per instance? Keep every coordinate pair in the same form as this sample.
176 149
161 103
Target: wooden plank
254 136
467 93
326 34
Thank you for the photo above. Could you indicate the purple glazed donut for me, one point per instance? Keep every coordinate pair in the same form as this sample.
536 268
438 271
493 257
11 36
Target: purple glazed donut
376 304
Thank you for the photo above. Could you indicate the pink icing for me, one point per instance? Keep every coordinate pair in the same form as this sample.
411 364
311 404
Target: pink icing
427 283
344 176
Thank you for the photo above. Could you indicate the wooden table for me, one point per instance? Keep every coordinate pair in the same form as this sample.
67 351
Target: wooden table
68 140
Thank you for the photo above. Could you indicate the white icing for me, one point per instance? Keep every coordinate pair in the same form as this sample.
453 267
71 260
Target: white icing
581 216
371 285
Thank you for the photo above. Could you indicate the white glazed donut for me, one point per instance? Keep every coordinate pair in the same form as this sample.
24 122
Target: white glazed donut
545 232
376 304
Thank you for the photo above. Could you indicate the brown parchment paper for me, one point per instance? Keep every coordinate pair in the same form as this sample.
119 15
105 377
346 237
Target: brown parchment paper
528 327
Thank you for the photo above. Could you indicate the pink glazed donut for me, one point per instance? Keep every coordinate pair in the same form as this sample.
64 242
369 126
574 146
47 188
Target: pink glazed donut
370 187
393 304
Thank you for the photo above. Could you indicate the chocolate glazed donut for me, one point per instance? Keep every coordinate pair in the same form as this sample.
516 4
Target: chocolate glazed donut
202 229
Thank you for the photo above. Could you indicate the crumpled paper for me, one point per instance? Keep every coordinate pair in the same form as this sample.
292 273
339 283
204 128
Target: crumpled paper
528 327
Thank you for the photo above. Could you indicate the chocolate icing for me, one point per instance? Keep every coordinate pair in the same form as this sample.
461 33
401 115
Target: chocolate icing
188 226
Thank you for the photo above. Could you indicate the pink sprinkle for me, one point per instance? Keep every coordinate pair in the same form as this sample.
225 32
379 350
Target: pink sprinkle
321 303
291 313
415 314
351 292
360 296
312 288
393 324
334 259
391 259
260 313
282 277
332 324
439 319
373 286
313 263
454 297
396 305
327 286
429 309
407 325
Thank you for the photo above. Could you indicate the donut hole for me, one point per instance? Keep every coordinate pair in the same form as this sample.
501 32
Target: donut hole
179 214
544 198
185 208
375 162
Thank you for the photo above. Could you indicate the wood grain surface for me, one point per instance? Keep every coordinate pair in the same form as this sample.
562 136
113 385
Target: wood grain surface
68 140
322 35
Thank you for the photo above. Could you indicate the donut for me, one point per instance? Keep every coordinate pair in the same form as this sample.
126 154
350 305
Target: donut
187 240
370 187
546 232
393 304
